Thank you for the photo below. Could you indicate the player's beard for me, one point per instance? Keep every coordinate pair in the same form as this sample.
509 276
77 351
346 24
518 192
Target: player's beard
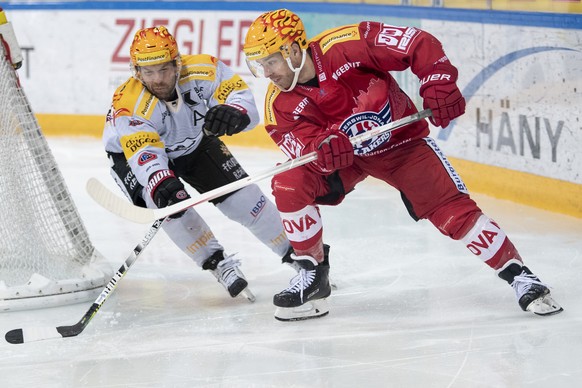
163 90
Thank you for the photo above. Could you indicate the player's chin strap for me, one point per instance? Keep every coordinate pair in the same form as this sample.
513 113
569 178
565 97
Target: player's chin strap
295 70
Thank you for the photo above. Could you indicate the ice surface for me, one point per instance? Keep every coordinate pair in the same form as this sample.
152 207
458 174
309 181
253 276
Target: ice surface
412 308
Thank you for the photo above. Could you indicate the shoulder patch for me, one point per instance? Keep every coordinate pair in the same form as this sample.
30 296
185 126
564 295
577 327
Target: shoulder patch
200 67
228 86
327 39
272 93
199 59
133 99
146 105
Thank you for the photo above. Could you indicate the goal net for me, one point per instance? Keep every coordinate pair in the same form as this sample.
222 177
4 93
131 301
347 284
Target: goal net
46 256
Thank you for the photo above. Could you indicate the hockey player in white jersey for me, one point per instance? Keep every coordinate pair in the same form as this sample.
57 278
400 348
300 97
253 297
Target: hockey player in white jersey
163 125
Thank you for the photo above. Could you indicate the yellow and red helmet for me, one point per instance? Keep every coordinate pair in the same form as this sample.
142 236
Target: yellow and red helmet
273 32
153 46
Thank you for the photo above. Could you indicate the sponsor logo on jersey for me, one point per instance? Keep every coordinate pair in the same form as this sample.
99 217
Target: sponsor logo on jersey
259 206
197 72
205 237
319 66
229 164
146 157
485 239
272 94
146 106
227 87
133 143
364 121
303 224
343 35
199 92
483 242
448 167
301 106
368 29
280 239
343 68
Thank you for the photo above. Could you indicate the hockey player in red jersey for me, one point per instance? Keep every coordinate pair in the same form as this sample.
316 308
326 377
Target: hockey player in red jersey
337 85
164 125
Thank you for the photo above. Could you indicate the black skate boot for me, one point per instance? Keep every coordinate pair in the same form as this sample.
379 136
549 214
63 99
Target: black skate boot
295 265
305 298
532 295
287 259
227 272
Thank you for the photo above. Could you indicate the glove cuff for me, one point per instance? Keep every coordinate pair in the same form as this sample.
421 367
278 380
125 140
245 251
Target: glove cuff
238 107
437 74
156 178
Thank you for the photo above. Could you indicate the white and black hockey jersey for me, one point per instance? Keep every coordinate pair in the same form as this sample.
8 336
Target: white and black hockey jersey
150 132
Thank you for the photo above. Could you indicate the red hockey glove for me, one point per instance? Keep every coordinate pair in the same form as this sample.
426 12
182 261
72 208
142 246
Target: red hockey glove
165 189
441 95
225 120
334 151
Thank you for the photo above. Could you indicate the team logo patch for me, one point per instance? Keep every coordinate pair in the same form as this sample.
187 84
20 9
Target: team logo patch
146 157
362 122
135 123
182 194
225 151
114 113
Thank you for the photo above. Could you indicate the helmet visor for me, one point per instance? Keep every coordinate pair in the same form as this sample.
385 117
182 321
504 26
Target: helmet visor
261 62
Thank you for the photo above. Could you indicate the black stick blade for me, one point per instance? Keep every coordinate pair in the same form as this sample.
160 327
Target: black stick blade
15 336
30 334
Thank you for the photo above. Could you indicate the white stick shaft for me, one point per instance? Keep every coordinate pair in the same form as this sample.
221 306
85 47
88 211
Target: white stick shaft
127 210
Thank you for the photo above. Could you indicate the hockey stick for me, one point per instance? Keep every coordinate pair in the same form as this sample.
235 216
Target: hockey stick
125 209
30 334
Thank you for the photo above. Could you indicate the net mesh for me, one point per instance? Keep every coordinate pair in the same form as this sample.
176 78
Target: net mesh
41 231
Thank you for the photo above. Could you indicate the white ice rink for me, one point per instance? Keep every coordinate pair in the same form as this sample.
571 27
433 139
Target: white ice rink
412 308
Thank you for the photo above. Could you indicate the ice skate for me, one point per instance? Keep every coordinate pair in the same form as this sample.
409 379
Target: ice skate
306 295
227 272
532 295
295 265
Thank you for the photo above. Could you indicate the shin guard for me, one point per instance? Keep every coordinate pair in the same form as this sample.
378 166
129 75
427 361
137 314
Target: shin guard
488 241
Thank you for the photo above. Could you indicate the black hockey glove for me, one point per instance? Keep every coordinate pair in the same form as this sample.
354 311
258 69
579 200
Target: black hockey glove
225 120
165 189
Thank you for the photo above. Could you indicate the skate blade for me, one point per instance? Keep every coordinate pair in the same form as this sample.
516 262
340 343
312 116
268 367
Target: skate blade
332 284
248 294
545 305
313 309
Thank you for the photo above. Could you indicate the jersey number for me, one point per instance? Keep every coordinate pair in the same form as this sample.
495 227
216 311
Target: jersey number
396 38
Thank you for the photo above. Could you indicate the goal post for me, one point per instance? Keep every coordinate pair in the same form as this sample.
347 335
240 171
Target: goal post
46 256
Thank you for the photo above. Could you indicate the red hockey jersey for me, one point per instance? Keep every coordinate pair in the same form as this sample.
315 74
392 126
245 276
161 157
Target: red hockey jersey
356 91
